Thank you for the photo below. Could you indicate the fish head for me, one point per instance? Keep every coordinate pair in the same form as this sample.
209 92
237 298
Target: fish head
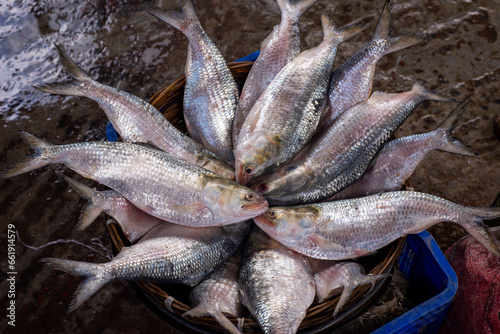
231 202
255 156
288 179
289 224
219 167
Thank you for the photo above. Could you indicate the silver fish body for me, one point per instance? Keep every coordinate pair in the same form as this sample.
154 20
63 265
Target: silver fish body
166 254
135 119
211 94
217 295
276 284
356 227
339 156
154 181
397 160
352 82
285 116
133 222
338 278
277 50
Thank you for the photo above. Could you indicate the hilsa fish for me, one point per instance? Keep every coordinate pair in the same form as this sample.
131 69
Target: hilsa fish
134 119
351 228
340 155
285 116
276 284
166 254
352 81
334 278
154 181
210 94
217 295
133 222
397 160
277 50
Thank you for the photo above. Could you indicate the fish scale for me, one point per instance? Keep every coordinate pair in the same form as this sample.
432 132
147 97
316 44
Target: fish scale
276 284
356 227
159 184
166 254
337 157
286 114
211 94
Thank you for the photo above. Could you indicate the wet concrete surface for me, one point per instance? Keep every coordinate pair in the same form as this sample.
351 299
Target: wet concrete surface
122 46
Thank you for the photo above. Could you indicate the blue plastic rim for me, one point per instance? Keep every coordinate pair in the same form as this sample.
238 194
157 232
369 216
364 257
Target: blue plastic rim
423 263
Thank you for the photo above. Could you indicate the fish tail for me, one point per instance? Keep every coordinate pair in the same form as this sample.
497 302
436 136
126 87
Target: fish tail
330 30
41 156
398 42
92 209
293 10
444 140
67 87
477 228
420 88
88 287
344 297
179 18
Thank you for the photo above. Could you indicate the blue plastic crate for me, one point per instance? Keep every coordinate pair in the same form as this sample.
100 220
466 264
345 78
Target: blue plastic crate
423 263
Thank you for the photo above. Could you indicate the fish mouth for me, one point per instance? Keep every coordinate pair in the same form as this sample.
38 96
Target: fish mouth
259 207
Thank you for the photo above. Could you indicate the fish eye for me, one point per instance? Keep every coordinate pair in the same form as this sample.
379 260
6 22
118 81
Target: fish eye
263 187
272 214
250 197
249 170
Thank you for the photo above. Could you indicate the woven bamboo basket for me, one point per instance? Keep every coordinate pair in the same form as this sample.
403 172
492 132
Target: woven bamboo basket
319 317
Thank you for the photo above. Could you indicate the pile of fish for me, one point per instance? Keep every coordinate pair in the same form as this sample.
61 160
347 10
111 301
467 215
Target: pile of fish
306 139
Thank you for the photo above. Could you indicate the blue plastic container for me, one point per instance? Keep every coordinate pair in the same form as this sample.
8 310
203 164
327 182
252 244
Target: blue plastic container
423 263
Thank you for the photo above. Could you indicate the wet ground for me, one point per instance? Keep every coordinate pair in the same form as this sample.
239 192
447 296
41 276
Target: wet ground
124 47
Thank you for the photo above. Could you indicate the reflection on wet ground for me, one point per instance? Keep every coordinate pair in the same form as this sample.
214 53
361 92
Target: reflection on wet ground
124 47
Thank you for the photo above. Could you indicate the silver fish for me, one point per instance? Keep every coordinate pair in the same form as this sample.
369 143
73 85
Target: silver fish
159 184
356 227
166 254
276 284
211 94
341 154
217 295
277 50
135 119
339 278
285 117
397 160
352 81
133 222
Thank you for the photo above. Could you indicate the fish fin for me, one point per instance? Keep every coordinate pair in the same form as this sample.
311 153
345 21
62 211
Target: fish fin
344 297
224 321
420 88
363 252
188 209
323 243
67 87
330 30
293 10
395 43
201 311
168 304
88 287
446 142
34 161
91 211
475 226
241 324
179 18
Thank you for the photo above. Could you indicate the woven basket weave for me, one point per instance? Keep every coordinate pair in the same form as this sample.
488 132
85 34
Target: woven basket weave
319 317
